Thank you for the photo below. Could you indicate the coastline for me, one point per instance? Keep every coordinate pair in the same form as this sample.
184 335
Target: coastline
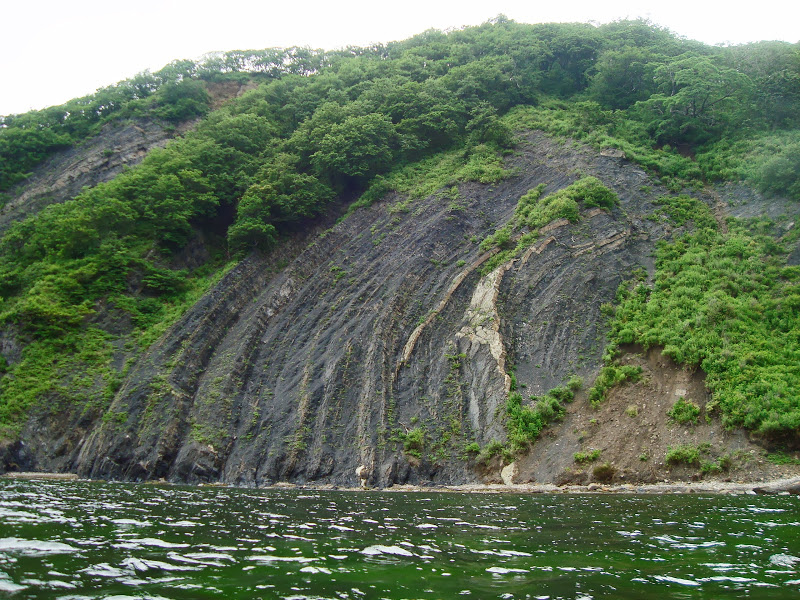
778 486
790 485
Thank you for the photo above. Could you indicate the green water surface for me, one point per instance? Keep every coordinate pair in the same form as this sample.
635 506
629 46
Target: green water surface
79 540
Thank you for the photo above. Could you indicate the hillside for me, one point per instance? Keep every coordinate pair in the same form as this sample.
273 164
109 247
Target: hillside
564 248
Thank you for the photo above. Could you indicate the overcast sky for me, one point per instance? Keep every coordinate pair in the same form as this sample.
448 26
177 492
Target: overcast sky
52 50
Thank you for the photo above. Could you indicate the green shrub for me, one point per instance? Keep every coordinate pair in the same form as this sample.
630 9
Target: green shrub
414 442
684 208
685 454
575 383
484 165
771 162
534 212
591 192
562 394
782 458
472 448
604 472
585 457
610 376
710 467
524 422
684 411
492 449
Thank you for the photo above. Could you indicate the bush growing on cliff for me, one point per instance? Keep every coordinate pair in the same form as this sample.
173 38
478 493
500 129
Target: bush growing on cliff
524 422
687 454
726 302
683 209
587 456
492 449
534 212
773 164
413 441
604 473
684 411
575 383
611 375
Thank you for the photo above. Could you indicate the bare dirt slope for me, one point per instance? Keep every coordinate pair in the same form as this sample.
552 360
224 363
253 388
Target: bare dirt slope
633 432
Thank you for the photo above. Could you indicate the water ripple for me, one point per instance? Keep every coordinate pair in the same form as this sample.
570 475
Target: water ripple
90 541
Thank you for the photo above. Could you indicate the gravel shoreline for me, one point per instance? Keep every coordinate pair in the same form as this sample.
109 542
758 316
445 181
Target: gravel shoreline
778 486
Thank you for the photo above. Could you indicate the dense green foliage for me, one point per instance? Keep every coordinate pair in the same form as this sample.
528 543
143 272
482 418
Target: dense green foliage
26 139
175 93
414 116
726 302
684 411
687 112
525 420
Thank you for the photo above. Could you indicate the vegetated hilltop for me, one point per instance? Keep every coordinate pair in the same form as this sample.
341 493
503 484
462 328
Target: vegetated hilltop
443 259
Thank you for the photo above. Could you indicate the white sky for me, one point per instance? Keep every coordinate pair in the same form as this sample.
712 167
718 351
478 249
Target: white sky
52 50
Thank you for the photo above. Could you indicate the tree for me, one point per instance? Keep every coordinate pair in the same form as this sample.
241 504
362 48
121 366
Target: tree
281 193
250 233
697 99
178 101
486 127
358 148
780 174
570 52
488 79
623 77
774 68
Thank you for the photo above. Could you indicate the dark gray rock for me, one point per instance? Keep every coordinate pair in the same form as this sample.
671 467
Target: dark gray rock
324 357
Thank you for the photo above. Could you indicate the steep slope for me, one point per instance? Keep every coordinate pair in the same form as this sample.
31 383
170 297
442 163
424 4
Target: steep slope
629 438
419 339
378 348
380 344
101 158
118 146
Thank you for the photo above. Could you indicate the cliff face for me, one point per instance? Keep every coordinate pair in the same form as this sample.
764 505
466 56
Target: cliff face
379 344
100 159
376 349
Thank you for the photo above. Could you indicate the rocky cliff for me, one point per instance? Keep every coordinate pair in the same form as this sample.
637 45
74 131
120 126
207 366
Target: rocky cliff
378 348
99 159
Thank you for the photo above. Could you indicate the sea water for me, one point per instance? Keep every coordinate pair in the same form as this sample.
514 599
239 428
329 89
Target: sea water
77 540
